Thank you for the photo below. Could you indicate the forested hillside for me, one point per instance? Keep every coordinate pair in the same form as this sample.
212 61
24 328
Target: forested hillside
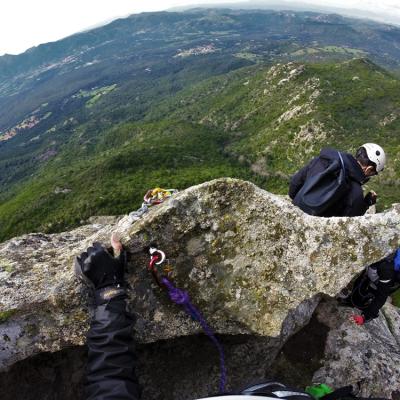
89 123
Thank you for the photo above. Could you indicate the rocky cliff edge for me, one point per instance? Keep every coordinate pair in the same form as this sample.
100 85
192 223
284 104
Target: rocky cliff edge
251 261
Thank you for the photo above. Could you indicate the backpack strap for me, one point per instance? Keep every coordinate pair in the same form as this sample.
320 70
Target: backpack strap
342 162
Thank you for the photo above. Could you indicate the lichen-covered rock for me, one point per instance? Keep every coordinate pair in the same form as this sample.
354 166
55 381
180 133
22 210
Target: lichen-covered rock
251 261
368 354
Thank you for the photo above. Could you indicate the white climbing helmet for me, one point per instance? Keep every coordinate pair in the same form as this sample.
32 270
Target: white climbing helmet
376 154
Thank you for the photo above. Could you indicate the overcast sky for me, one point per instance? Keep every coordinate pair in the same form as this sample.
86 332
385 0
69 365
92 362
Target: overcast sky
27 23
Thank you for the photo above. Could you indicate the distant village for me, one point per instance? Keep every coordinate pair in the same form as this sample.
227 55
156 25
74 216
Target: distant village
196 51
26 124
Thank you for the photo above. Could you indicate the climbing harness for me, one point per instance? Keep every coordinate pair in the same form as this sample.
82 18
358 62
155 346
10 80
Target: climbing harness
151 198
161 275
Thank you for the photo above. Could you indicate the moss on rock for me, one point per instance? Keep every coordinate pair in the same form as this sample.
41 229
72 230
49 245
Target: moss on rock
6 315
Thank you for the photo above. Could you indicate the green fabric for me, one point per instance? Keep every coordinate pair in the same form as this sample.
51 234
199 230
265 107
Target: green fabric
319 391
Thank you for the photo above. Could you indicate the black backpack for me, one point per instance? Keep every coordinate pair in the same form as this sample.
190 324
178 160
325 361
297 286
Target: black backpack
322 190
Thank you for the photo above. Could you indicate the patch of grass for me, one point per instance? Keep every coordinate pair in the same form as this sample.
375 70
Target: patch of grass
248 56
396 298
344 50
94 94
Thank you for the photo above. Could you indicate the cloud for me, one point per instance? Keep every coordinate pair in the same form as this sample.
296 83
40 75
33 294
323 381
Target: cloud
383 10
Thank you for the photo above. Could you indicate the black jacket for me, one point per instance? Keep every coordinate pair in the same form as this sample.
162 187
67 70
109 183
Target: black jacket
353 203
111 357
385 280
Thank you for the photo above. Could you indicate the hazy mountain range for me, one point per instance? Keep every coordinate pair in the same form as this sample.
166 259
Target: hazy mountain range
377 14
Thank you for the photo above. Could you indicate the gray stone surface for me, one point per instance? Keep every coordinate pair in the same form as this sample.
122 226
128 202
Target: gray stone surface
369 354
252 262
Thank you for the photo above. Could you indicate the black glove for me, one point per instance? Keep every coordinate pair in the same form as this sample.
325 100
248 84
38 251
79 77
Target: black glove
101 271
370 199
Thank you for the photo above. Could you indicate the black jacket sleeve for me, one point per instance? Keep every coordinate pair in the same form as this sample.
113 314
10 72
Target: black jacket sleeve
355 204
111 357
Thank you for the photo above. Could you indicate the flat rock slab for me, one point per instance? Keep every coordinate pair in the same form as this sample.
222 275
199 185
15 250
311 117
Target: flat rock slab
250 260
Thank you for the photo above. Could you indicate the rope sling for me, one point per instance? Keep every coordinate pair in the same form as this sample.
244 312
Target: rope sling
181 297
151 198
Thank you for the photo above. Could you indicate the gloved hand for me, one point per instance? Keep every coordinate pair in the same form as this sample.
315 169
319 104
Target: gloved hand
358 319
370 198
101 271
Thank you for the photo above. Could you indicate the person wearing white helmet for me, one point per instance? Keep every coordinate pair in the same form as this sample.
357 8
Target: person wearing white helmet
349 201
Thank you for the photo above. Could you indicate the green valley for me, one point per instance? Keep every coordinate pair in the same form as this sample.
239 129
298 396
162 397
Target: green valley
89 123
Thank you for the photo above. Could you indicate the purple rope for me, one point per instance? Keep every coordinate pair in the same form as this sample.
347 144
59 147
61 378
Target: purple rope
181 297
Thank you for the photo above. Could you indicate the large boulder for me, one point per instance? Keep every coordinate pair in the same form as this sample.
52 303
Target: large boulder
252 263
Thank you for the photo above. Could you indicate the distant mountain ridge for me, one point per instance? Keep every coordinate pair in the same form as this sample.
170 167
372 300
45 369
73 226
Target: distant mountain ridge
297 6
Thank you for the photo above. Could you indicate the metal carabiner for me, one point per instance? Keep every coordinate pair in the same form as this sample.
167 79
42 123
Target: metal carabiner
153 251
